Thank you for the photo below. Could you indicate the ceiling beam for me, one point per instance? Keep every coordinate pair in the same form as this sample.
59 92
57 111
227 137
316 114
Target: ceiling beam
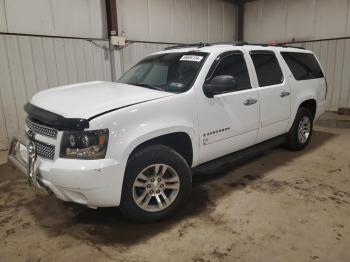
240 21
112 19
240 17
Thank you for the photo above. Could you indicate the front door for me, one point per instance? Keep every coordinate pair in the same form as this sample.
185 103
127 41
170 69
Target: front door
274 94
229 121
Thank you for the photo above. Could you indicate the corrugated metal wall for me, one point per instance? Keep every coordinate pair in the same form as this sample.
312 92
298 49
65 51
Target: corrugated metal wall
334 56
298 20
177 21
78 18
29 64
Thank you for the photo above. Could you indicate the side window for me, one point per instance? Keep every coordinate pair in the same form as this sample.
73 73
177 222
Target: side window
234 65
303 66
267 68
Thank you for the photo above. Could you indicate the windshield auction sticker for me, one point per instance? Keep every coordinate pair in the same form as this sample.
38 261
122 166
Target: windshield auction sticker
194 58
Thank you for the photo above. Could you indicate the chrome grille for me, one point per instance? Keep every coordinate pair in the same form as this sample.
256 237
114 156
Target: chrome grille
44 150
43 130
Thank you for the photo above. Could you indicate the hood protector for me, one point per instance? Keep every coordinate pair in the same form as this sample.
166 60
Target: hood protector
71 107
62 123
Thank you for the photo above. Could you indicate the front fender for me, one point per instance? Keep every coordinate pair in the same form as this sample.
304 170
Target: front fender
151 134
135 125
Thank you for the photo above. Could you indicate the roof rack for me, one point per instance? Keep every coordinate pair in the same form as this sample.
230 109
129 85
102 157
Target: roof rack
238 43
286 46
198 45
266 45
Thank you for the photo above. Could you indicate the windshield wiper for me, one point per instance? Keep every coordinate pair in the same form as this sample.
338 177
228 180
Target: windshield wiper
150 86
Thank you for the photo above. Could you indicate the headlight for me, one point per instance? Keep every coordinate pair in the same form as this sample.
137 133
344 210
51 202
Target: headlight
84 144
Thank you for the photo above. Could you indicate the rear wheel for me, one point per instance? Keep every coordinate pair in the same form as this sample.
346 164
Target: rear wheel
300 134
157 181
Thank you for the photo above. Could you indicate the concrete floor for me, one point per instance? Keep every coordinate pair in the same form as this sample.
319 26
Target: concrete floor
3 156
280 206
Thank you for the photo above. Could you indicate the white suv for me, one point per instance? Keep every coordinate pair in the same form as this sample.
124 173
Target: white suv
133 143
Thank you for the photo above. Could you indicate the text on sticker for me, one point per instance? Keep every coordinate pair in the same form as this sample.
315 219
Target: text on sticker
194 58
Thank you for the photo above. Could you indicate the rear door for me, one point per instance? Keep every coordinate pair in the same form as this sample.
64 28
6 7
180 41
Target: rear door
274 94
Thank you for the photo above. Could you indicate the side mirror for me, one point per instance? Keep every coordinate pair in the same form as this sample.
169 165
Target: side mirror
220 85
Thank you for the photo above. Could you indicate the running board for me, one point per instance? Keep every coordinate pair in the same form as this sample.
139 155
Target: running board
241 155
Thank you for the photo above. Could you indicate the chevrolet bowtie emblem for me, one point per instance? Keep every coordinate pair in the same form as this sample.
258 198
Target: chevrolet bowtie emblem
31 134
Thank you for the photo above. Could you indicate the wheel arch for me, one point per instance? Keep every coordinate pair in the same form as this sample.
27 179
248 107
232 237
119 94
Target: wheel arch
311 105
179 140
309 102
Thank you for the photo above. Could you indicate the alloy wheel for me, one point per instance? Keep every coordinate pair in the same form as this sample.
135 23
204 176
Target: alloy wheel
304 129
156 187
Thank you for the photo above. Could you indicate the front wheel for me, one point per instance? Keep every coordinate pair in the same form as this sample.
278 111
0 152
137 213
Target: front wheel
300 133
157 181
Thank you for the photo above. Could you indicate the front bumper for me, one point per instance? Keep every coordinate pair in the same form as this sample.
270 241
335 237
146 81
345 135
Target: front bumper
95 183
26 162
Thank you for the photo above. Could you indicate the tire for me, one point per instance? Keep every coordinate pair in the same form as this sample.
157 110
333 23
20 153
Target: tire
142 167
296 141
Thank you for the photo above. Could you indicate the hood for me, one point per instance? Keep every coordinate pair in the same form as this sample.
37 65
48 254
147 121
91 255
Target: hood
85 100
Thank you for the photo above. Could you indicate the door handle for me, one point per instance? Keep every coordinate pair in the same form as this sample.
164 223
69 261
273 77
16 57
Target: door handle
250 101
284 93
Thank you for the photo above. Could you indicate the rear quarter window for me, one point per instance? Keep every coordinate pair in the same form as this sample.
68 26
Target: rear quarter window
303 66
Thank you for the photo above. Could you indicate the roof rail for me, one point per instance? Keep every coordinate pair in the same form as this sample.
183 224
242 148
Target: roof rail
283 45
198 45
238 43
266 45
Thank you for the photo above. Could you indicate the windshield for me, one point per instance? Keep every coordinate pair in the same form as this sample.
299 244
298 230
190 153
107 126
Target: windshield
171 72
